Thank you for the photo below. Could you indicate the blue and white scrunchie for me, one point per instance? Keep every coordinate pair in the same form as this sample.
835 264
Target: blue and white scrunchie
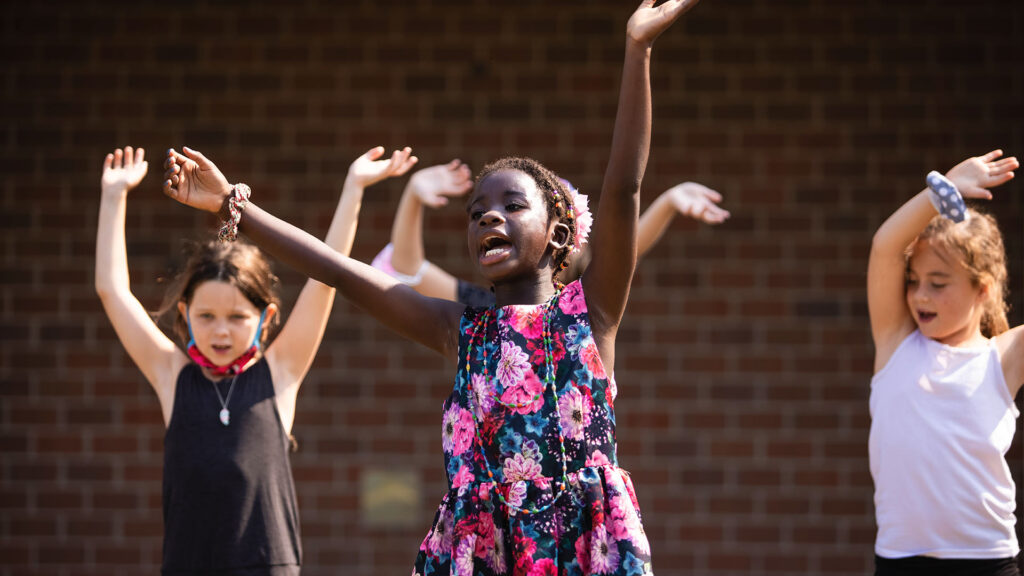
945 197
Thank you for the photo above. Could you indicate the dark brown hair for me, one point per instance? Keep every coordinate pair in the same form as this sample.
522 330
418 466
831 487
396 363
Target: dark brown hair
977 245
552 188
238 263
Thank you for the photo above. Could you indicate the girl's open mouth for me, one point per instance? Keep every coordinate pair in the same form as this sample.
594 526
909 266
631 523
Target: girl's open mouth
925 317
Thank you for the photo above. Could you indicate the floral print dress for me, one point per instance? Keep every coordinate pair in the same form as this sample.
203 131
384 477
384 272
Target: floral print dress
504 422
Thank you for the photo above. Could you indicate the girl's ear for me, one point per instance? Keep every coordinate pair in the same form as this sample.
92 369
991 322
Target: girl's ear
983 291
559 236
183 310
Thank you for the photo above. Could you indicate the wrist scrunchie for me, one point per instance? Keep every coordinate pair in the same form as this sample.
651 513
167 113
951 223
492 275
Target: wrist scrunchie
945 197
382 262
237 202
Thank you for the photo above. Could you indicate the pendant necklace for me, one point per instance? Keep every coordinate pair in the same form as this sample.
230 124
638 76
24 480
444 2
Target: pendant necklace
225 414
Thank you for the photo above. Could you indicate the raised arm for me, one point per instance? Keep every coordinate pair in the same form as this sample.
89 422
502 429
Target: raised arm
430 187
195 181
613 238
891 322
689 199
153 352
292 352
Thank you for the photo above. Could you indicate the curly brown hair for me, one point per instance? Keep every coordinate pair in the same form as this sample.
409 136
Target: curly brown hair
977 245
238 263
554 191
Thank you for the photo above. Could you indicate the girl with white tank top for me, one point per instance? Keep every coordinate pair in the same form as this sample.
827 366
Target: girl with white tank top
947 368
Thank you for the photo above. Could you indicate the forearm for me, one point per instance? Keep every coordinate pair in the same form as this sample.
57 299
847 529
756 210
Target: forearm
407 233
653 223
396 305
111 253
896 233
632 133
341 234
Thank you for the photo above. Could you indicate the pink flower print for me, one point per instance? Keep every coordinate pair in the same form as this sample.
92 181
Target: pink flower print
525 396
583 552
457 430
484 533
525 549
440 540
598 459
463 478
519 467
516 493
574 412
483 395
624 521
572 301
590 356
544 567
604 553
512 365
527 320
462 560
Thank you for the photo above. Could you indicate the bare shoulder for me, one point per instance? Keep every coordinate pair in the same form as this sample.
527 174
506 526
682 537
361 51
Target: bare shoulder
1010 345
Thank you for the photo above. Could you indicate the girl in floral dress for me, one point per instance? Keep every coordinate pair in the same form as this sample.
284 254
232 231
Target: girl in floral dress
528 431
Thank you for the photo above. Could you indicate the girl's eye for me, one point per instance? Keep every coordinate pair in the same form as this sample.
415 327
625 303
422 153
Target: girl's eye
206 316
475 214
513 207
938 286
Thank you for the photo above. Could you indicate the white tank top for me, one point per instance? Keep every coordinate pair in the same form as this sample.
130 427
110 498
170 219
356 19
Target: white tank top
942 421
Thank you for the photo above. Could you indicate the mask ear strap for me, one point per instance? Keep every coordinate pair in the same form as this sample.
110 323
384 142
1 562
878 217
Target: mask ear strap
188 323
259 329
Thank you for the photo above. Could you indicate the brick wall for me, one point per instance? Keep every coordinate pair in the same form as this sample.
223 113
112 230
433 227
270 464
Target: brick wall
744 358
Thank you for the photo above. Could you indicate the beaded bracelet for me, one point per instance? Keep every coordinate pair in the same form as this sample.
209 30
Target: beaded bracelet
945 197
237 202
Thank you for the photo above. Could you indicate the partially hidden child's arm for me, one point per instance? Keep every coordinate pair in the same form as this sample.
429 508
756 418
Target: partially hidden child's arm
195 181
431 186
613 238
689 199
153 352
293 351
891 321
1011 354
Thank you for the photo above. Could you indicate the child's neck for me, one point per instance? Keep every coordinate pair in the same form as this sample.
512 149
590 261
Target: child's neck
969 337
534 290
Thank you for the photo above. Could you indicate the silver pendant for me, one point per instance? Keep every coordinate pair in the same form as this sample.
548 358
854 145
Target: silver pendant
225 416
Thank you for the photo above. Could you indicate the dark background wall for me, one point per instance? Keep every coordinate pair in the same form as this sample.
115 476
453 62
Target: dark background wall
744 358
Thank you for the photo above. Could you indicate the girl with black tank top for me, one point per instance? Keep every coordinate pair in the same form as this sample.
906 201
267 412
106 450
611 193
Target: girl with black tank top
228 400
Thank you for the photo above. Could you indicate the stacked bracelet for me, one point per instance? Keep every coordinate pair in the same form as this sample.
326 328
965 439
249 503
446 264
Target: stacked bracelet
945 197
237 202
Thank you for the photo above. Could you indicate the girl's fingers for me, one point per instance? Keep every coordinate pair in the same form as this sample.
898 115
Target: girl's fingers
140 155
129 156
118 156
108 161
992 155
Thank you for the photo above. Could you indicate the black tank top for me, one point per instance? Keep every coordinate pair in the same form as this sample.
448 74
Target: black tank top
228 495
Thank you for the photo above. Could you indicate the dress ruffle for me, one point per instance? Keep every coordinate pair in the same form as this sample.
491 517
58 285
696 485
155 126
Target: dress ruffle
593 528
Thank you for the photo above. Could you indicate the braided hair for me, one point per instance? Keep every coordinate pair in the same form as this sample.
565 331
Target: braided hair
556 196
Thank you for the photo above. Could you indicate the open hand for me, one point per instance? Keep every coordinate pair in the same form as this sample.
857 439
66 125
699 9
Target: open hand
698 202
123 170
194 180
435 184
974 176
649 21
369 169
